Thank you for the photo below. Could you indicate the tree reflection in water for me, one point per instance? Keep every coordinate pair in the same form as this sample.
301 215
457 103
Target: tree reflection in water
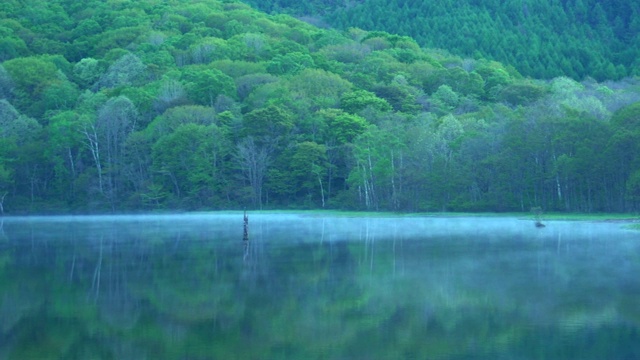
315 287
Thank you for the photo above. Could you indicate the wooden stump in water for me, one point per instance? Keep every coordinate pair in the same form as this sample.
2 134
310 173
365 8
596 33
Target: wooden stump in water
538 214
245 234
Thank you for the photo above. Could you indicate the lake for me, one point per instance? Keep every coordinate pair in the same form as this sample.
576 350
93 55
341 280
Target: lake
317 286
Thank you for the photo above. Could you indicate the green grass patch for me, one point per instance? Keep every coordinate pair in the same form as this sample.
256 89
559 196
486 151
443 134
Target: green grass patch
590 217
552 216
635 226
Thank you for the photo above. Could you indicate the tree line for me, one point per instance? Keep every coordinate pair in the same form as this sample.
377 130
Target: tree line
213 105
542 39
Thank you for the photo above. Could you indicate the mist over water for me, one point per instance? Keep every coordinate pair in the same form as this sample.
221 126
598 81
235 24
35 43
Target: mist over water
317 286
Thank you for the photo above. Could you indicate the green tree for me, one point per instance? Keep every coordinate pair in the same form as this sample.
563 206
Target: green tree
28 74
7 148
268 125
343 127
633 188
20 153
63 151
445 100
376 176
290 63
400 95
127 70
31 76
203 85
105 138
522 93
87 71
181 115
309 169
14 125
356 101
60 94
6 84
247 83
188 162
11 46
318 88
622 149
254 159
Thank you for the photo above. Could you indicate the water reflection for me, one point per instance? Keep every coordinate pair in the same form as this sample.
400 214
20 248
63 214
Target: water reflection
190 286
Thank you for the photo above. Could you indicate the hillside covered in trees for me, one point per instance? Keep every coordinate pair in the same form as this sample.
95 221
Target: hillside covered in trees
142 105
541 38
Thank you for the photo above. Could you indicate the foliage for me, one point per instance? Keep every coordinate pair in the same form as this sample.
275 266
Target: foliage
212 104
543 39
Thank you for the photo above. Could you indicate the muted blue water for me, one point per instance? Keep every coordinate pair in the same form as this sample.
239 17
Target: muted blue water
317 287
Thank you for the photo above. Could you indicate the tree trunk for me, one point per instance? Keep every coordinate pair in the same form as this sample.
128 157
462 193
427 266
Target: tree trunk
253 161
92 144
321 190
2 202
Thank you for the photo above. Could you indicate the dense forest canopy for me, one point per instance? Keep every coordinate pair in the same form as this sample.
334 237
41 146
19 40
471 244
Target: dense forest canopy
541 38
142 105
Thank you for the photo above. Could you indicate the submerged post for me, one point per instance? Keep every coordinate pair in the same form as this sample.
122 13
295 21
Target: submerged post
538 215
245 234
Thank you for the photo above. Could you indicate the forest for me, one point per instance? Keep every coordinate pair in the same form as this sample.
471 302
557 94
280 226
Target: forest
151 105
541 38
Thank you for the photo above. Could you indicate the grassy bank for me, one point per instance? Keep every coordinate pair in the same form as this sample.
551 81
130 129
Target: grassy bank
590 217
627 217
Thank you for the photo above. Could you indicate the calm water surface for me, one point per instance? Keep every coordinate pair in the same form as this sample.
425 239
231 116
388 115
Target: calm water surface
317 287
